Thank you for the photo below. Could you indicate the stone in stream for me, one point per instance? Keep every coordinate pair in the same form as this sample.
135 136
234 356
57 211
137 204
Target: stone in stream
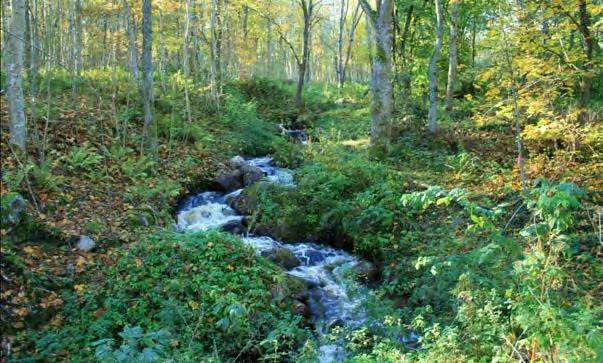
367 272
230 181
282 257
251 174
248 201
237 162
301 308
234 227
85 244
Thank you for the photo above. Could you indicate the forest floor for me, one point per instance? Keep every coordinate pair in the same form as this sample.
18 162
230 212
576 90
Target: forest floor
93 182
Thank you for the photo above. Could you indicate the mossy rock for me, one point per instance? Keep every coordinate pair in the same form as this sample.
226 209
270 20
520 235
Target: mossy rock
12 210
282 257
248 202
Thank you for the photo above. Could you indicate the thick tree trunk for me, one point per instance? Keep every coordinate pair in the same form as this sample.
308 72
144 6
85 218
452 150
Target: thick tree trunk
453 63
149 132
14 69
433 83
381 80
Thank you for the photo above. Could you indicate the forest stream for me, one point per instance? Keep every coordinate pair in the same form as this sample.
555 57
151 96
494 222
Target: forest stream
331 301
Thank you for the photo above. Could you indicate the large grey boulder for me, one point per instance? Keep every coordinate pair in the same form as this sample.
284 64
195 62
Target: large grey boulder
85 244
237 162
251 174
230 181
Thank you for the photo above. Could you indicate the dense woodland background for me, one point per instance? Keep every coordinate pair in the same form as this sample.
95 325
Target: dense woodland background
455 144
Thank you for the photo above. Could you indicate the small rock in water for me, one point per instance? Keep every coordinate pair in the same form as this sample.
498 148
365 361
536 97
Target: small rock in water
237 162
367 272
282 257
234 227
142 219
85 244
336 323
300 308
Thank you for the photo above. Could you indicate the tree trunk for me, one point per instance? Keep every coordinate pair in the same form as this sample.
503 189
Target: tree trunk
433 85
453 63
381 82
588 45
355 20
185 59
149 131
269 47
131 29
343 13
14 69
33 75
516 115
473 38
406 76
302 64
216 50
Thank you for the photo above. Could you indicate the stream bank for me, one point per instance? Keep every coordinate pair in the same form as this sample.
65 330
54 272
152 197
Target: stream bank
326 271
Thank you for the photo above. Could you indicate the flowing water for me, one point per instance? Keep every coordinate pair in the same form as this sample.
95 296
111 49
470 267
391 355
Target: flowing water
331 300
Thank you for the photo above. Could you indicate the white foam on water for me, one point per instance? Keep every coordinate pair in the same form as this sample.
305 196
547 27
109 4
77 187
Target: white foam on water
261 243
206 216
281 176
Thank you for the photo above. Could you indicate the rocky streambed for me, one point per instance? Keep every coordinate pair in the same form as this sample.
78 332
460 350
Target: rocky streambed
331 298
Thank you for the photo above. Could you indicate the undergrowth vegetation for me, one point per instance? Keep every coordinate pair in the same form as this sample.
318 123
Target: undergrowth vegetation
171 295
478 270
474 267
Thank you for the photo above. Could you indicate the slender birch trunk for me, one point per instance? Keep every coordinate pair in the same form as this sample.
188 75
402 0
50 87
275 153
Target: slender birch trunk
308 7
186 60
33 75
433 82
149 131
355 20
131 29
216 50
14 70
516 114
453 63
